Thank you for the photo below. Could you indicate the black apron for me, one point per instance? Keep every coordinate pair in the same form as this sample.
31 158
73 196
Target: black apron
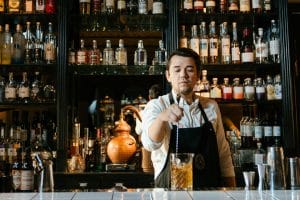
202 142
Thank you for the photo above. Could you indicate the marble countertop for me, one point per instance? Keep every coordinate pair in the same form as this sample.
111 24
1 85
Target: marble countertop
157 194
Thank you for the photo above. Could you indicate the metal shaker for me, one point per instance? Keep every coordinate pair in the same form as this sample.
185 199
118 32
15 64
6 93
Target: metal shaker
293 173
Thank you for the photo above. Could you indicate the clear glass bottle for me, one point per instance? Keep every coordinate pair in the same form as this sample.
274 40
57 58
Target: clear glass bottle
36 93
210 6
226 90
14 6
161 53
23 89
29 45
94 54
183 40
10 88
261 48
108 54
204 85
82 54
50 45
198 6
213 57
237 89
260 89
260 155
40 6
85 7
247 55
140 54
28 6
249 90
215 89
203 43
270 88
245 6
194 41
274 44
6 46
121 53
38 44
235 46
2 89
233 6
18 46
225 44
277 87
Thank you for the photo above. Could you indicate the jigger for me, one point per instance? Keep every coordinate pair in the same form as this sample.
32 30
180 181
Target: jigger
261 168
249 179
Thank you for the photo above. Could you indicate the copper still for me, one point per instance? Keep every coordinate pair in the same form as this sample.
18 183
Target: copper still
123 145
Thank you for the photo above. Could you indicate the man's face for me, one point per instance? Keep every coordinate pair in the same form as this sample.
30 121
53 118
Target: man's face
182 74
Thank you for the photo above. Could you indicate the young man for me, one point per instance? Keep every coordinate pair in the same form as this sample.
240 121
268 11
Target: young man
200 127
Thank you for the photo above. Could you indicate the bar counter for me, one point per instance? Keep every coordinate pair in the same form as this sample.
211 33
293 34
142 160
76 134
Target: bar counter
157 194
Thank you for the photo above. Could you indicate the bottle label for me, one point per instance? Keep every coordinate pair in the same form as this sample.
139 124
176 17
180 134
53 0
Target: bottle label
216 93
49 51
194 44
29 6
225 46
40 6
244 5
213 47
142 7
121 58
277 91
14 5
188 4
27 180
198 5
235 51
256 4
16 179
121 5
258 131
2 152
204 47
248 130
84 1
247 57
81 57
270 92
276 131
227 90
72 57
261 50
268 132
259 158
183 43
260 89
110 3
238 92
94 58
157 8
233 5
249 89
10 93
23 92
210 3
274 47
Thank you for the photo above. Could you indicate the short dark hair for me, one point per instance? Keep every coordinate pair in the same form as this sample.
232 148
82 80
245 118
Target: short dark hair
185 52
155 91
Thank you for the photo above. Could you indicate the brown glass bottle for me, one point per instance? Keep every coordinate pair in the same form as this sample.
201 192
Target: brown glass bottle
16 172
247 55
27 173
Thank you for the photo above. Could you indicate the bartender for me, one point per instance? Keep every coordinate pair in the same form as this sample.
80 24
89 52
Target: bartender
196 120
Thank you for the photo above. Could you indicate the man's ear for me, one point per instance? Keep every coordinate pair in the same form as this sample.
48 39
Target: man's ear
167 74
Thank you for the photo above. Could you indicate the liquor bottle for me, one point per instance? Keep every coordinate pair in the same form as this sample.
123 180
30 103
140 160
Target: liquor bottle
158 7
267 6
183 40
277 129
2 144
261 48
27 173
38 44
2 6
94 54
16 172
143 6
233 6
23 89
268 131
260 90
213 57
2 89
50 45
260 155
270 88
245 6
249 90
187 6
247 55
50 7
40 6
237 89
257 6
6 46
84 7
132 7
203 43
76 163
28 6
1 42
140 54
226 90
10 88
72 54
108 54
121 7
258 129
81 54
215 89
18 46
210 6
204 85
277 87
121 54
198 6
224 44
29 44
161 54
110 6
223 6
36 93
25 131
243 120
14 6
247 139
235 46
274 44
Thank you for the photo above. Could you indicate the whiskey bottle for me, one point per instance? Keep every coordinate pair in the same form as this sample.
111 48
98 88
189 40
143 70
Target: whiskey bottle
210 6
213 57
261 48
28 6
27 173
50 7
274 44
14 6
203 44
23 89
18 46
140 54
40 6
108 54
84 7
72 54
16 172
235 46
94 54
29 45
247 55
10 88
225 44
121 53
183 40
198 6
6 46
81 54
50 45
245 6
